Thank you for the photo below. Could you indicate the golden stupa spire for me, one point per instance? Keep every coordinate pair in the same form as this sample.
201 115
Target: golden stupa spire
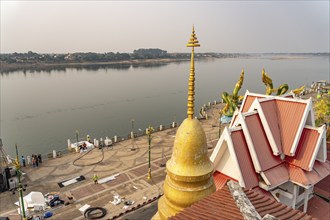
193 42
189 170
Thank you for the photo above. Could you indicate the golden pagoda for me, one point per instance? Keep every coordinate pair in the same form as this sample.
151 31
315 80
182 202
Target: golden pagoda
189 171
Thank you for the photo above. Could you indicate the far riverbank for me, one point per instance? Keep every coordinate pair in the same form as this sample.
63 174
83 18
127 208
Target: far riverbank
47 62
11 67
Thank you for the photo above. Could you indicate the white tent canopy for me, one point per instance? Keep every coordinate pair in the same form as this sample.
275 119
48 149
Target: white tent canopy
33 199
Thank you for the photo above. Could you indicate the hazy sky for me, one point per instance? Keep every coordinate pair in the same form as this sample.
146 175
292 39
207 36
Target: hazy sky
221 26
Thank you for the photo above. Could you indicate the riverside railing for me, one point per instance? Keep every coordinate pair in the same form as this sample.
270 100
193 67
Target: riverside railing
119 138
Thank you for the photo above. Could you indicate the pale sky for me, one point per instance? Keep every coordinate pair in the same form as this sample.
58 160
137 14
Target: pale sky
122 26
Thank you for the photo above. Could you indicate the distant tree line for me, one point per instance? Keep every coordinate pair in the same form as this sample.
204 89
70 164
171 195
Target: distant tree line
140 54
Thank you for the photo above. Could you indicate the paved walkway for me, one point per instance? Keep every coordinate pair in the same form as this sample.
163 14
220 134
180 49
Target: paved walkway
131 165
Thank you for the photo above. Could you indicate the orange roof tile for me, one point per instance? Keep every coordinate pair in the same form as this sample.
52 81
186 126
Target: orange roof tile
300 176
277 175
265 205
219 205
244 160
289 116
248 102
305 150
221 179
260 142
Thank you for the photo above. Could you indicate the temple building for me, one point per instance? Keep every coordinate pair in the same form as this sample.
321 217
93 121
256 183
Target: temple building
272 145
189 171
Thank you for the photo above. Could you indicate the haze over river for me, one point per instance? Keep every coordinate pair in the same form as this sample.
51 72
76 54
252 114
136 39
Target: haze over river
41 110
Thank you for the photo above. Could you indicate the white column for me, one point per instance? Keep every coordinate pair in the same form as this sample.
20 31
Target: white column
294 194
306 196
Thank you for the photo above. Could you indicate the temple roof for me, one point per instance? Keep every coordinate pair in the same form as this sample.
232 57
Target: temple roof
277 142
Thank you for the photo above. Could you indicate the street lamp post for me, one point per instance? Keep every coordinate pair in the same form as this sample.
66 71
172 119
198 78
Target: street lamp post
149 132
220 115
132 134
163 163
77 134
132 121
20 187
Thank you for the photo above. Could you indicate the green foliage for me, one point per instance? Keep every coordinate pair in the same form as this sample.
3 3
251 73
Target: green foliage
322 110
149 54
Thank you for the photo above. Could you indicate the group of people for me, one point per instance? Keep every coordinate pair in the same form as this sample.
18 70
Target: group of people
34 160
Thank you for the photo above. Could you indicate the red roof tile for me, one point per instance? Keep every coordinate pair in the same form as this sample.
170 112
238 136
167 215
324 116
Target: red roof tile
277 175
265 205
244 160
263 192
221 179
269 109
300 176
219 205
305 150
318 208
289 116
260 142
322 188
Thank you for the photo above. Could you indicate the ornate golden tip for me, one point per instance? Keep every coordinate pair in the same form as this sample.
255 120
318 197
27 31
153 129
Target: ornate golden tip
193 42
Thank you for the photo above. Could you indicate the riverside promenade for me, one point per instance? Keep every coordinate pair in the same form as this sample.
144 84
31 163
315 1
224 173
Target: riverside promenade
130 166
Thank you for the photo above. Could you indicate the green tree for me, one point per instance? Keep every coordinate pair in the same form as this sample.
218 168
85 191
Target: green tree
322 112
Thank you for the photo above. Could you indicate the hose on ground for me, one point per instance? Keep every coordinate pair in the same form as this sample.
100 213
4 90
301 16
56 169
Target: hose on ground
95 213
74 162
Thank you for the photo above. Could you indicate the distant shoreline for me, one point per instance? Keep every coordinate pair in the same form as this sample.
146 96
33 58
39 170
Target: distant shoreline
41 66
6 67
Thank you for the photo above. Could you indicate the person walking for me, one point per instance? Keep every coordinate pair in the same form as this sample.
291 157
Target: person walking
33 161
95 178
23 161
36 159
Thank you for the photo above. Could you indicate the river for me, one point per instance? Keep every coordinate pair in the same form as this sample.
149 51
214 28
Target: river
40 110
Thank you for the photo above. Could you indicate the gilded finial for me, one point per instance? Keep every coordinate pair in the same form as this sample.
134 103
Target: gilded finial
193 42
189 175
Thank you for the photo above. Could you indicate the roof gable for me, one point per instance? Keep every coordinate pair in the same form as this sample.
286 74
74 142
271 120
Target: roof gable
291 117
231 157
260 142
269 111
308 148
249 99
244 160
284 120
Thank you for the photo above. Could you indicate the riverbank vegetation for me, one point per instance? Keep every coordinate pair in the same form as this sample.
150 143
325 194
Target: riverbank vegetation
32 60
